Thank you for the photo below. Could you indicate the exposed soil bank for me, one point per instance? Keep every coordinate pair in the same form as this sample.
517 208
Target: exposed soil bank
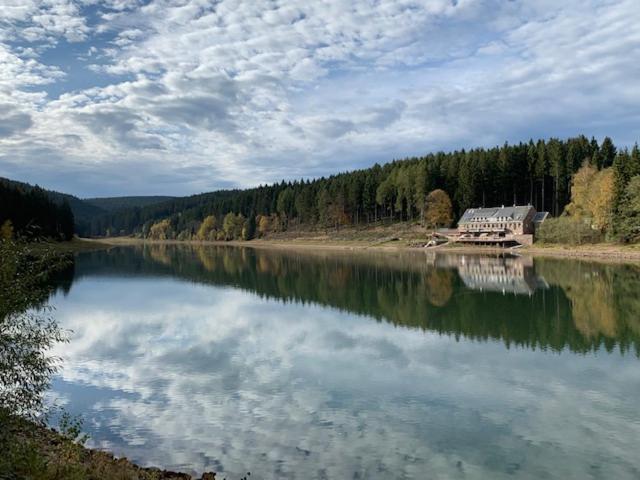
604 251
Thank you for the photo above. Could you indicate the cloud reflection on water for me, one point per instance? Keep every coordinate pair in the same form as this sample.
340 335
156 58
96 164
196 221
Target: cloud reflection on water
197 377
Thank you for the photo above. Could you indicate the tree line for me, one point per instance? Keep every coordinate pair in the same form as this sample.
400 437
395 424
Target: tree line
539 173
605 204
30 213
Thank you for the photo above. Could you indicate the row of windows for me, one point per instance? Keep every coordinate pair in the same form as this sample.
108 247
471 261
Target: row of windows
484 219
498 225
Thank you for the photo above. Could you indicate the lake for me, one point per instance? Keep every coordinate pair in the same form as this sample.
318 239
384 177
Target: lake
314 365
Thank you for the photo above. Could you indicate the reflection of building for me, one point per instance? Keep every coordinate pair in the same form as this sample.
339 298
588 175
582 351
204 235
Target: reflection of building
498 225
506 274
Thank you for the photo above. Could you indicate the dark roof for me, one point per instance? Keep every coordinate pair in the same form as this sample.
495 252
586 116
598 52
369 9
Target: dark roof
494 214
540 217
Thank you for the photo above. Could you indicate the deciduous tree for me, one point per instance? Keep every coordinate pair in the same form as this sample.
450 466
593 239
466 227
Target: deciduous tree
438 211
208 227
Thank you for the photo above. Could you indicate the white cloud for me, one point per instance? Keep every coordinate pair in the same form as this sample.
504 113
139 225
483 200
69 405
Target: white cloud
38 20
12 121
238 88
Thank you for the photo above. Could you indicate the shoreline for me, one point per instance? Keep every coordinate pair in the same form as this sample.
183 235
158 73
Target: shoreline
63 457
602 252
71 246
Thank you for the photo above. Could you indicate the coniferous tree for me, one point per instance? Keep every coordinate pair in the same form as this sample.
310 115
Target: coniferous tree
33 214
249 231
594 153
66 220
541 171
627 222
607 153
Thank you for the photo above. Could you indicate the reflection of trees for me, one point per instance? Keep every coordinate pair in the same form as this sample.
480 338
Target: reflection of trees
585 307
593 311
159 253
207 259
604 298
439 286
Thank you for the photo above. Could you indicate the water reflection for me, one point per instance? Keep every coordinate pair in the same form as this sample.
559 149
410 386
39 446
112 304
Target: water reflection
577 305
497 273
227 359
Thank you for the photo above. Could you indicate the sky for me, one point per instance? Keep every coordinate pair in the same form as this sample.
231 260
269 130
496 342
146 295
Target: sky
175 97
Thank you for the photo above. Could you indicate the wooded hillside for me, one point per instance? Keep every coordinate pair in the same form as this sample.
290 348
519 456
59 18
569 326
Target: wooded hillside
83 212
113 204
538 173
29 212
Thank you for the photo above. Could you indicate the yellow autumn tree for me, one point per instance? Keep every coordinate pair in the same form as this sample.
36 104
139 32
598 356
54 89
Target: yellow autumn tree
161 230
6 231
581 184
602 199
592 196
232 226
438 209
207 228
264 225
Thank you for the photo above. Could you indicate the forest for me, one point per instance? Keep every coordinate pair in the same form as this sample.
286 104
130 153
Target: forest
540 173
30 213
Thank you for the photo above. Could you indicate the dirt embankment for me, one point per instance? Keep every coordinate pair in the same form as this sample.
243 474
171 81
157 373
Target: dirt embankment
402 240
390 237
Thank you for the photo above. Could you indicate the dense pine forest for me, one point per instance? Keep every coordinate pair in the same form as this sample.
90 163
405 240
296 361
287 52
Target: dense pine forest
83 211
540 173
30 213
113 204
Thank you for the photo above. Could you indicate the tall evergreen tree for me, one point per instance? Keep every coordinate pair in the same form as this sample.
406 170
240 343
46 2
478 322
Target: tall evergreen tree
607 153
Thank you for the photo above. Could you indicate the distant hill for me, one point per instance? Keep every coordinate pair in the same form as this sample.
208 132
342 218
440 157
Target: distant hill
112 204
83 212
32 212
90 210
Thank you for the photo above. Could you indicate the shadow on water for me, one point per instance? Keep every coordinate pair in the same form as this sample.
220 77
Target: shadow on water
536 303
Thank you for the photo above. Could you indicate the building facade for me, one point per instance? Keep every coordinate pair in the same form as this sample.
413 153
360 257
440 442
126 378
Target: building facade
499 225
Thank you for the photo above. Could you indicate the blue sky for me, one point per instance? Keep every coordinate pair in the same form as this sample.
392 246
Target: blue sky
177 97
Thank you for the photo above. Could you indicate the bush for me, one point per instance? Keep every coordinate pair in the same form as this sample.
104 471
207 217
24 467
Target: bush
568 230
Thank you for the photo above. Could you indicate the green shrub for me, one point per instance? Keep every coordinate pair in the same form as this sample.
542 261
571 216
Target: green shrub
568 230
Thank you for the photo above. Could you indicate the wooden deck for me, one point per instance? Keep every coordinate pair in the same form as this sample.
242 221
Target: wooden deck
503 238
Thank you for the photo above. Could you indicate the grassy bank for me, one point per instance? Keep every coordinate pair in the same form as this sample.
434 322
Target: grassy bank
71 246
33 451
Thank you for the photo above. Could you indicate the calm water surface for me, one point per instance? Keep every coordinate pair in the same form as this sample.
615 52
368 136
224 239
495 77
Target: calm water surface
335 365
